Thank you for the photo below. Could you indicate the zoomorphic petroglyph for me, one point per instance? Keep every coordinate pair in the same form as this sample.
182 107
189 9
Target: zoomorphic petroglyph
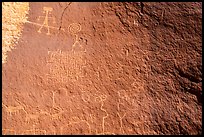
13 109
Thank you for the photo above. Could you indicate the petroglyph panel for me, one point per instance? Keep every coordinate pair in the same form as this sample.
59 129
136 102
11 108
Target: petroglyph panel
102 68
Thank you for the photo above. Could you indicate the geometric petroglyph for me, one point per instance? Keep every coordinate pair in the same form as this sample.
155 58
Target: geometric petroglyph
65 66
74 28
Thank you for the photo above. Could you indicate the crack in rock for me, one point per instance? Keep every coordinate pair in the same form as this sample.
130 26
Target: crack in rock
63 14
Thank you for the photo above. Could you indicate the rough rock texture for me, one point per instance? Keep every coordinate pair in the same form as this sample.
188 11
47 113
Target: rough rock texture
14 15
106 68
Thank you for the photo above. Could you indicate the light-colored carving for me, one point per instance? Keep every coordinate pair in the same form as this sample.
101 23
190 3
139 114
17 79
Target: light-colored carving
121 122
44 112
136 23
102 98
53 99
45 22
53 115
46 10
75 120
162 15
105 133
66 69
91 118
75 28
30 117
12 109
8 132
34 131
85 97
37 24
138 86
57 115
123 95
63 90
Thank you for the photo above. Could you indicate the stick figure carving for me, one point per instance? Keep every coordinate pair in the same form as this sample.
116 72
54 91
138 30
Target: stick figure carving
75 28
46 10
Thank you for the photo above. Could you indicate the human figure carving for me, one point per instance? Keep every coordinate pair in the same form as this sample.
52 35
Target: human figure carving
75 28
102 99
46 10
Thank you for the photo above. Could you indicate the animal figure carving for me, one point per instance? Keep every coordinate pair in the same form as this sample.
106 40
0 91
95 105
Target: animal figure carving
13 109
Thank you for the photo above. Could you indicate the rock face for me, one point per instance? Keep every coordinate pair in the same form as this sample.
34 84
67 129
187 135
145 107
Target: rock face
105 68
14 15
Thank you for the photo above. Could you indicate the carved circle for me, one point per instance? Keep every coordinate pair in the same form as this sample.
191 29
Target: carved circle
74 28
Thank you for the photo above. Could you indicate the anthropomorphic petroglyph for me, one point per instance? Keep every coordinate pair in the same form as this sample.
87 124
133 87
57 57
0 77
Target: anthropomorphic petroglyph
46 10
75 28
101 99
121 122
